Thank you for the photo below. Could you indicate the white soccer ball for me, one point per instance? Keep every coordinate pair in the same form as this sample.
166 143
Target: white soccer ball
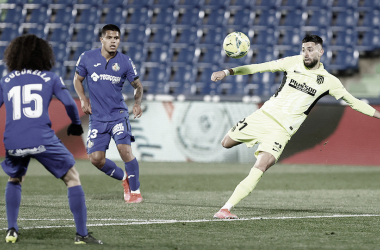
236 44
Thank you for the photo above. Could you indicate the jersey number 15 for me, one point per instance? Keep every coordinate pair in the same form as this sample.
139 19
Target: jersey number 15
27 97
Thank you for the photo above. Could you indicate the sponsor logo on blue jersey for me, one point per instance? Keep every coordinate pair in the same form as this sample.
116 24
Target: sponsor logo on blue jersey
105 77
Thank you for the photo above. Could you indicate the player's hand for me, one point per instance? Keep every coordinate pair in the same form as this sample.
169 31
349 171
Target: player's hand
137 111
75 129
86 106
217 76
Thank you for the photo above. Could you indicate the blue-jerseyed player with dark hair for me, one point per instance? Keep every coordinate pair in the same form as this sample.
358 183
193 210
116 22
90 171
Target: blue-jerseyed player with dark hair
106 70
26 92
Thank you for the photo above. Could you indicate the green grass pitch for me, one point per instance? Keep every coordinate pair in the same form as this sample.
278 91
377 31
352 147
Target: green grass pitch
293 207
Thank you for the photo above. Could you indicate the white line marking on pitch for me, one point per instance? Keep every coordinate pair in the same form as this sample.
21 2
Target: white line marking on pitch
149 222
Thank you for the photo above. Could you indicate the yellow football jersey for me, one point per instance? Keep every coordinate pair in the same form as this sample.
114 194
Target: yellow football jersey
300 90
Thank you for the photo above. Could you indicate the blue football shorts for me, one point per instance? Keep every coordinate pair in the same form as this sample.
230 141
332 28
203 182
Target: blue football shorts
56 158
100 133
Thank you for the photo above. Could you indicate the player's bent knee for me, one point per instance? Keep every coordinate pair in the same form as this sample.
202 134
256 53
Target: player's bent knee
71 178
97 160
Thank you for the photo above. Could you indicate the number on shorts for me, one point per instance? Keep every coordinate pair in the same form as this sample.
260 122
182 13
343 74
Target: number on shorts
93 133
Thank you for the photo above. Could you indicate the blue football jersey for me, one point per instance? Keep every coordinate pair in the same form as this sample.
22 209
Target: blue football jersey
27 95
105 83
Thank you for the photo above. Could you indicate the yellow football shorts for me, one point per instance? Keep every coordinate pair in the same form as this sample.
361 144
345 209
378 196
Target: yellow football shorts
259 127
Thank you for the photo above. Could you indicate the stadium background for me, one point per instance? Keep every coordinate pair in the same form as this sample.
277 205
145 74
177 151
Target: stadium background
176 45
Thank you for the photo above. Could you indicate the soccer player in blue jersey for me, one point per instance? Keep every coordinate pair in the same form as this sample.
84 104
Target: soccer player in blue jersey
106 70
26 92
305 82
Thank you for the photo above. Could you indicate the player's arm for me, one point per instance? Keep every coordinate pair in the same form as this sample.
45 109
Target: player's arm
137 111
62 93
78 85
272 66
360 106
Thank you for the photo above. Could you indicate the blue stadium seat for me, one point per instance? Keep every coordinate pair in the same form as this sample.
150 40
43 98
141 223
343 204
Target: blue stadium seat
135 3
66 2
241 3
84 33
291 37
59 34
136 52
189 3
345 4
157 54
115 16
370 41
17 1
323 32
154 79
137 16
90 2
160 35
214 17
180 80
266 78
216 3
203 84
187 16
60 52
346 37
344 60
162 16
68 73
267 4
369 5
293 18
12 15
38 30
133 34
291 4
319 4
3 68
42 2
78 51
187 35
294 51
371 19
262 55
212 36
346 18
9 33
2 49
267 17
264 37
319 18
210 55
39 15
240 17
63 15
88 16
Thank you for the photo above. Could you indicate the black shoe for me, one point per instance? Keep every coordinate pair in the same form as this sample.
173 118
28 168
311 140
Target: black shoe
12 236
86 239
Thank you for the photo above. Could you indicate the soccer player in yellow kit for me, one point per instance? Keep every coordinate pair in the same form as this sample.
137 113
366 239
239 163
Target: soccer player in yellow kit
305 82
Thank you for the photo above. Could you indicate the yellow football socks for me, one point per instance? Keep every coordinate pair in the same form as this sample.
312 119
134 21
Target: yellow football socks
245 187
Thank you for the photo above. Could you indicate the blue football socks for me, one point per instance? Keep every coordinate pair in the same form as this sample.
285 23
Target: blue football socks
12 200
78 207
112 170
132 169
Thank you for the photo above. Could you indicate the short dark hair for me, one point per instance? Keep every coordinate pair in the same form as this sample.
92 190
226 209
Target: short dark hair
111 27
29 52
313 38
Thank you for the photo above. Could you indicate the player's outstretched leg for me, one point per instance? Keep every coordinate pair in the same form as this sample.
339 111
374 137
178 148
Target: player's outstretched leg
12 236
132 169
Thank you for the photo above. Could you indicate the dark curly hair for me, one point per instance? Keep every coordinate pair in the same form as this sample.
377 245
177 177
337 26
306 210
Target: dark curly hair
29 52
313 38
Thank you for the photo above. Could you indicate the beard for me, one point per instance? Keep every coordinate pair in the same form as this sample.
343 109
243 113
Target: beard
310 64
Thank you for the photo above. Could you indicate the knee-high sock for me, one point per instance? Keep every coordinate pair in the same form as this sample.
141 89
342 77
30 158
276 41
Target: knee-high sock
112 170
132 169
246 186
12 201
78 207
